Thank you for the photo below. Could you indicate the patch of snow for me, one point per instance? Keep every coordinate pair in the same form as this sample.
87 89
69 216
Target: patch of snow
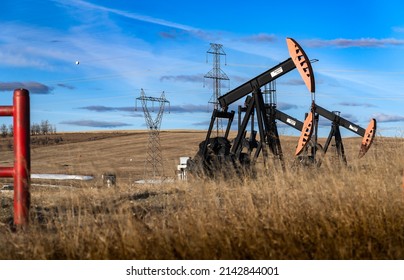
61 177
155 181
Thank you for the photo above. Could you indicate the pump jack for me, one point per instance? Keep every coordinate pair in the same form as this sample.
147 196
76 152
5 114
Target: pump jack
311 125
217 152
274 114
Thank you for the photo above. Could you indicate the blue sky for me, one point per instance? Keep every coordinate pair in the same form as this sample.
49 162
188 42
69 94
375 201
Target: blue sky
124 46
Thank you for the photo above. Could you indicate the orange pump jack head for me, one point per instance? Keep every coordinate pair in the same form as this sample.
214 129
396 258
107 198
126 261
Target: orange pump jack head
302 63
368 138
306 133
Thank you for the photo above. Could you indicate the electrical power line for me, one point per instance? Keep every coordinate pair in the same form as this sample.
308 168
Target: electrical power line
217 75
154 160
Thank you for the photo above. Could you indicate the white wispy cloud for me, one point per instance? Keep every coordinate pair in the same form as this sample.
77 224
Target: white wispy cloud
398 29
381 117
10 58
45 46
131 15
54 50
245 44
260 38
351 43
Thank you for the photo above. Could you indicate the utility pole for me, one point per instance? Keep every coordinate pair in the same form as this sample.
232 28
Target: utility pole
217 75
154 160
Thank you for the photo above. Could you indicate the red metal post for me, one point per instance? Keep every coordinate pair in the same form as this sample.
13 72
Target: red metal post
22 156
21 171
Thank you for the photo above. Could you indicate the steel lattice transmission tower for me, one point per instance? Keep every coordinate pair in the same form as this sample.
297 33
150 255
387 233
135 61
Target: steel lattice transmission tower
217 75
154 160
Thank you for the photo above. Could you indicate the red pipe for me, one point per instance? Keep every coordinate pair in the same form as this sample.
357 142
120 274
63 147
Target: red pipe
7 172
6 111
22 156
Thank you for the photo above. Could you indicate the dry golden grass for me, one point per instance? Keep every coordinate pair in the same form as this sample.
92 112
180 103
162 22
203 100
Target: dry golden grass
333 212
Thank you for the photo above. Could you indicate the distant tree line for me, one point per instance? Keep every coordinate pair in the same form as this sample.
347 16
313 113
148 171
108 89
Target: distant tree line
43 128
4 130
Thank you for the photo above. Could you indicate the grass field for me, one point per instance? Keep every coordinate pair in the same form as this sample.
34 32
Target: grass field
333 212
